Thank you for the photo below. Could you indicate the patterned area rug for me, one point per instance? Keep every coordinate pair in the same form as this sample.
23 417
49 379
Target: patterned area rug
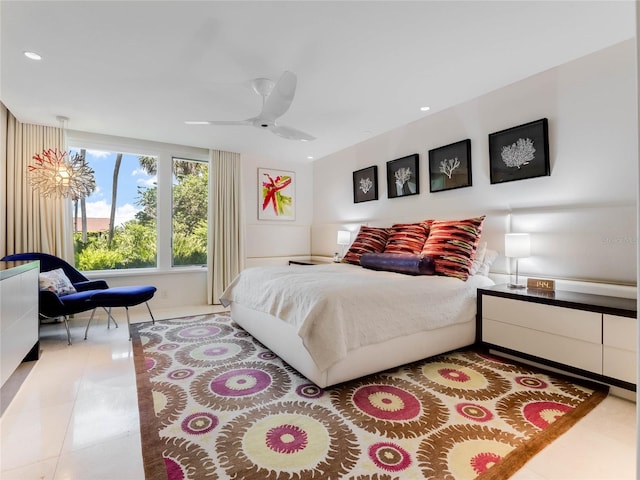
216 404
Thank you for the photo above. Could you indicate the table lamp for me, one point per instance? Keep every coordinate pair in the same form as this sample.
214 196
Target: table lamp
517 245
344 238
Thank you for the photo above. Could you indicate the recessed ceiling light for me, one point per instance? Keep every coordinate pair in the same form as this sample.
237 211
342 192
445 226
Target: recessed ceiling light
425 109
196 122
32 55
309 157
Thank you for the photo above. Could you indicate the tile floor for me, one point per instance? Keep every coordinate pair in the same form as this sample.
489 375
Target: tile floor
75 417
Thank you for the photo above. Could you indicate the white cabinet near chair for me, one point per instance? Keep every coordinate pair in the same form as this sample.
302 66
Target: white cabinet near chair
19 326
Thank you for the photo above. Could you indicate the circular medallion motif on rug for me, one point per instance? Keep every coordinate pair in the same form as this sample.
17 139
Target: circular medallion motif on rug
168 347
156 363
150 339
571 389
246 385
530 412
184 460
197 332
180 374
463 451
462 379
209 354
531 382
267 355
397 408
309 390
289 440
473 411
390 457
169 401
199 423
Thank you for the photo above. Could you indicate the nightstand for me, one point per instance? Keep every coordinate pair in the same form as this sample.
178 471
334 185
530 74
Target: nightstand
589 335
308 262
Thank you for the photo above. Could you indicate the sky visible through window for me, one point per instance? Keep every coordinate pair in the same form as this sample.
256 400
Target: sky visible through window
131 176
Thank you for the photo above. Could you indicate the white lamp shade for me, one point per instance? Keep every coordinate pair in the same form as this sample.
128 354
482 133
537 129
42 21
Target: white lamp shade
517 245
344 237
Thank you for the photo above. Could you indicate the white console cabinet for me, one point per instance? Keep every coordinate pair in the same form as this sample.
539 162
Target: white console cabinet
591 335
19 325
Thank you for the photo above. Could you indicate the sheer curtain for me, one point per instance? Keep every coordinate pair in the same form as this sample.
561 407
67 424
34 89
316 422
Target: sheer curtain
225 256
30 222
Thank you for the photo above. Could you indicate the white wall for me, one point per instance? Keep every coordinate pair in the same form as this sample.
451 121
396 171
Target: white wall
275 242
591 106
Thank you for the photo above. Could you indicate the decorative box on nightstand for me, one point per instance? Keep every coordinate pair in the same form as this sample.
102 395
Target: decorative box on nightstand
589 335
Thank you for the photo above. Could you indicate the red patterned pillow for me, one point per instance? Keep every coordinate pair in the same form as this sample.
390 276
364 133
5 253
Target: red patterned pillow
453 245
407 237
369 240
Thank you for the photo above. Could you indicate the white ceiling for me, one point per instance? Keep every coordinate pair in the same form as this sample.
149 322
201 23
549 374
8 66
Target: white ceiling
140 69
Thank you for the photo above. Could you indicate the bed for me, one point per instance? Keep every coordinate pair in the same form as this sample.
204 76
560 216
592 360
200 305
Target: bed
337 322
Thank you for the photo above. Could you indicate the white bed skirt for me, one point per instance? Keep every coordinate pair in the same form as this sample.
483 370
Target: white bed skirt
283 340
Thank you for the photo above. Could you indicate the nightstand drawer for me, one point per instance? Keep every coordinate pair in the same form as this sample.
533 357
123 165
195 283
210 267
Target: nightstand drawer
620 332
620 364
561 349
570 323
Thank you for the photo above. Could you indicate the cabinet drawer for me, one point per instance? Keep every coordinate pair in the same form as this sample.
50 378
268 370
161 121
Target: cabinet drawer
620 332
569 323
620 364
566 350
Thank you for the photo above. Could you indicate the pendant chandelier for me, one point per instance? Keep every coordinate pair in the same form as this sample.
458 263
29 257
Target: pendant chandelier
56 173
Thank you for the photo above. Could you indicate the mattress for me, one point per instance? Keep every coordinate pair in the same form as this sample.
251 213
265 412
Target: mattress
338 308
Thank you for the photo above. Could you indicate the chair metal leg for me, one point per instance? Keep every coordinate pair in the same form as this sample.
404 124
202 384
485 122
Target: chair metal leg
153 320
66 325
86 330
128 322
110 318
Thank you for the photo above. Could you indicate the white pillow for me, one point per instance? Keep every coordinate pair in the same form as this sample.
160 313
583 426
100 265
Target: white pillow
479 258
57 282
489 257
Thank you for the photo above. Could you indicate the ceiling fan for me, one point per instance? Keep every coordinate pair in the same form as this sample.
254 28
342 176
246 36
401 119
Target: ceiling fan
276 100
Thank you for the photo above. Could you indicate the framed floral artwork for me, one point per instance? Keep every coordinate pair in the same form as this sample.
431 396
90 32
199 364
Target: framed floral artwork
403 176
365 184
450 166
520 152
276 194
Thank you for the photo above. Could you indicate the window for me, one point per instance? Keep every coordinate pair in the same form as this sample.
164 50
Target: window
189 212
116 226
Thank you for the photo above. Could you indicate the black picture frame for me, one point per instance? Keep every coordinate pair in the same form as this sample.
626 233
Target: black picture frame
450 166
406 168
365 184
520 152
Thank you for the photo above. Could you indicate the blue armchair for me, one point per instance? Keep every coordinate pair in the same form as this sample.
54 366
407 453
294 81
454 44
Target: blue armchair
90 294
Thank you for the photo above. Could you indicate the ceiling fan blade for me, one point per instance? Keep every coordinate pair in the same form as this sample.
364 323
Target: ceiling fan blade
219 122
291 133
279 101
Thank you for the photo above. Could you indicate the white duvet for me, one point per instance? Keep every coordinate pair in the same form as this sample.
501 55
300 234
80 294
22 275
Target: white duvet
340 307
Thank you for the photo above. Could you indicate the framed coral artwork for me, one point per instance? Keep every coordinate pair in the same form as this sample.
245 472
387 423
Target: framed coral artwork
276 194
450 166
520 152
365 184
403 177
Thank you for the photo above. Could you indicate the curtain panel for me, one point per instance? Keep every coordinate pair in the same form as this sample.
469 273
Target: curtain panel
30 222
225 256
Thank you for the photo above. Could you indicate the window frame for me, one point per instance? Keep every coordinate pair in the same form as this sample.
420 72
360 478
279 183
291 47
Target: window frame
173 159
165 153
